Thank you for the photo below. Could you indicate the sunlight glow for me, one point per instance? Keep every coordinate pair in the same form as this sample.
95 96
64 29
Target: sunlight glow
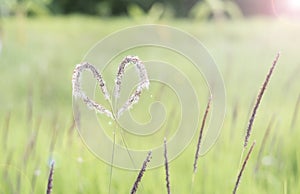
294 4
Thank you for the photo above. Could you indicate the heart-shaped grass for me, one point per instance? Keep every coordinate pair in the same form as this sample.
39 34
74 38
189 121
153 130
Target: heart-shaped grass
133 99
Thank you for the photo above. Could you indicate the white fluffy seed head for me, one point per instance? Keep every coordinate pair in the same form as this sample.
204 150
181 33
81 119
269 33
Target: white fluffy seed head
143 82
133 99
78 92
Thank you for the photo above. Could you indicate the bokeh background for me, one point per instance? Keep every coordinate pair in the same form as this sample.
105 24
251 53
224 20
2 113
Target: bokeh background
41 41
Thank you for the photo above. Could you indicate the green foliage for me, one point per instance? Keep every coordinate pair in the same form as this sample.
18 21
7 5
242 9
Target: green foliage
25 7
180 8
215 9
74 6
157 12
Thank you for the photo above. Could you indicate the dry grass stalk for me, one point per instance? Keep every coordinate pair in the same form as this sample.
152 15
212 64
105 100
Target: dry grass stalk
18 183
6 175
72 126
31 143
71 130
29 148
36 173
167 167
5 130
296 111
54 135
200 136
243 168
235 112
30 105
274 140
262 147
50 178
141 173
143 84
258 100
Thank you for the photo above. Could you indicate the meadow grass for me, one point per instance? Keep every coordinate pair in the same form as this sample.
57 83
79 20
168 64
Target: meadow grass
37 61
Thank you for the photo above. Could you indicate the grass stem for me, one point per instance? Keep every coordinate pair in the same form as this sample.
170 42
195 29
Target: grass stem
243 168
258 100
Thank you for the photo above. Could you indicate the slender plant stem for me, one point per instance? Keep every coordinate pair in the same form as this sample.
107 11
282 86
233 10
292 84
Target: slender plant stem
200 136
167 166
112 162
262 147
258 100
50 178
243 168
199 143
296 111
141 173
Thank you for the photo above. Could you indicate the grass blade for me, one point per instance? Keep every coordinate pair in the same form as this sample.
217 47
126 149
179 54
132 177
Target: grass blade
242 169
262 147
167 167
50 178
141 173
200 136
258 100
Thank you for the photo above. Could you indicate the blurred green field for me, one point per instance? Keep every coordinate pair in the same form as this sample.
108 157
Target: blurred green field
37 60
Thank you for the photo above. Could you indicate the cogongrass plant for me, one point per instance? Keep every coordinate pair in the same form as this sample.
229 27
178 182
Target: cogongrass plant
144 83
200 136
251 120
258 100
141 173
50 178
296 112
263 144
5 130
242 169
133 99
167 166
